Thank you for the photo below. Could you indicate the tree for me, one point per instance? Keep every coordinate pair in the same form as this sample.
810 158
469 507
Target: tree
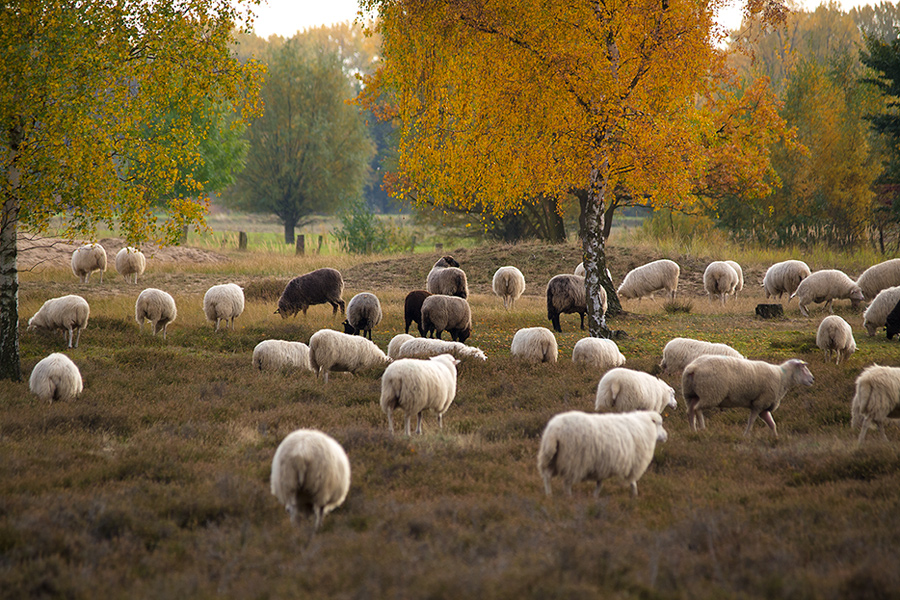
81 81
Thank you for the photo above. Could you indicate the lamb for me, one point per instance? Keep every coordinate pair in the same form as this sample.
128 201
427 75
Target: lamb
566 295
877 312
130 261
580 446
412 309
679 352
155 306
826 286
719 280
509 284
647 279
69 313
877 399
316 287
310 474
729 382
426 348
87 259
624 390
55 377
273 355
331 350
447 278
597 353
223 302
441 312
418 385
363 313
834 335
740 273
396 343
878 277
784 277
534 344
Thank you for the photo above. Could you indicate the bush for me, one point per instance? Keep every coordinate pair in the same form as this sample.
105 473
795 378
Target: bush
360 231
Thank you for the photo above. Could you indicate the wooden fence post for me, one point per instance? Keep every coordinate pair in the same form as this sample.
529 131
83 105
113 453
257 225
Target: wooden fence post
301 244
439 247
321 240
242 240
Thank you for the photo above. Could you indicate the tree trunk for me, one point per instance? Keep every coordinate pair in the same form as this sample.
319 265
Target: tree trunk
613 305
289 232
10 367
608 217
556 227
594 250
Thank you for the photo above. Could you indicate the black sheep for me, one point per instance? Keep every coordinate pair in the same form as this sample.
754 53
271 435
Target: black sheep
318 287
412 309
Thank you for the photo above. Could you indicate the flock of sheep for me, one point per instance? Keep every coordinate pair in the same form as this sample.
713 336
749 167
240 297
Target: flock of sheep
310 470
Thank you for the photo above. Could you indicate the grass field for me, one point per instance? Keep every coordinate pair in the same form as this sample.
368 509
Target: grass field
155 483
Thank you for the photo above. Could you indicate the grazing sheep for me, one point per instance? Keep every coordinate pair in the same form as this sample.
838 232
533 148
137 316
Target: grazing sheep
316 287
155 306
784 277
273 355
580 270
566 295
509 284
719 280
310 474
624 390
396 343
647 279
892 323
363 313
597 353
878 277
130 261
826 286
728 382
427 347
877 312
534 344
87 259
55 377
418 385
740 273
679 352
441 312
69 313
412 309
579 446
447 278
331 350
877 399
834 335
223 302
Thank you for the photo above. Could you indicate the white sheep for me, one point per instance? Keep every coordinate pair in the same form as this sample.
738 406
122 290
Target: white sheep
509 284
719 280
740 273
784 277
579 446
310 474
272 355
130 261
835 335
877 312
679 352
55 377
534 344
363 313
647 279
427 347
877 399
418 385
826 286
597 353
625 390
223 302
878 277
87 259
155 306
393 349
447 278
441 312
69 313
331 350
729 382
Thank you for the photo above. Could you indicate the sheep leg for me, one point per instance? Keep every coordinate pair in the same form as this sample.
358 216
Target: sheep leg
803 310
70 337
582 321
419 424
101 276
768 420
77 337
753 415
702 420
408 422
597 489
555 321
864 428
390 416
441 421
633 488
165 327
141 326
317 512
883 434
829 306
547 489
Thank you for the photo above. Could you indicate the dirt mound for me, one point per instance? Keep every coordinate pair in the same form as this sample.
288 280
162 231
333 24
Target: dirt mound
56 252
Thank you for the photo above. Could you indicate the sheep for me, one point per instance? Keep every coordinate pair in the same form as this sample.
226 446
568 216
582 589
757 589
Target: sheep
130 261
566 295
316 287
363 313
834 335
877 399
719 280
679 352
647 279
396 343
441 312
826 286
579 446
55 377
272 355
624 390
580 270
447 278
223 302
729 382
877 312
87 259
310 474
331 350
784 277
534 344
597 353
416 386
69 313
509 284
740 273
426 348
155 306
412 309
878 277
